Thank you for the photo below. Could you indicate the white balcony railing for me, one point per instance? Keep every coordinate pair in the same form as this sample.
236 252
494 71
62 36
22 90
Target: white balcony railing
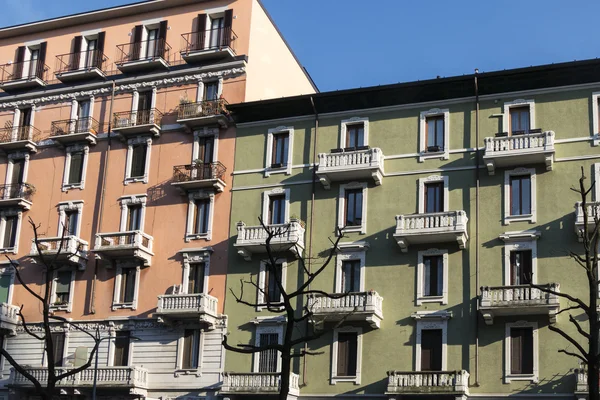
367 306
287 237
356 164
593 210
192 305
519 149
428 382
71 248
136 244
9 317
257 383
431 228
130 377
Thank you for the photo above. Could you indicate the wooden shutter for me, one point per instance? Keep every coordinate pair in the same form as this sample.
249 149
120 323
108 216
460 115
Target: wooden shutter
431 350
121 358
227 31
58 344
347 354
17 173
200 32
20 58
188 348
136 46
521 351
76 55
42 61
128 285
76 168
99 57
161 45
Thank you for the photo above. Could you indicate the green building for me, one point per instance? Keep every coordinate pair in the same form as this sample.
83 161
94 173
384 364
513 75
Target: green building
437 269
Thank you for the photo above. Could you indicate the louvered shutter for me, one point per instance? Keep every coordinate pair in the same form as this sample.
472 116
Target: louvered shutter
516 348
527 351
18 68
76 55
200 32
227 31
188 346
136 46
42 61
99 58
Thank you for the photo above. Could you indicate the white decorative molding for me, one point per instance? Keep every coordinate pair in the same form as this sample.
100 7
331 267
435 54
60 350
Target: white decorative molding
191 215
433 179
508 377
194 256
518 103
132 200
518 243
349 256
431 320
66 186
444 154
421 298
354 121
334 355
275 328
342 207
596 178
63 208
507 200
262 283
130 143
595 119
287 169
266 196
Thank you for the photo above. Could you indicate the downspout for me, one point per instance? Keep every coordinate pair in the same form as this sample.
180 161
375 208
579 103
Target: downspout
103 194
477 178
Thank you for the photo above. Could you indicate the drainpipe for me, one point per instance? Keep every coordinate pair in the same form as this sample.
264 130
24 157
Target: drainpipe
477 178
103 195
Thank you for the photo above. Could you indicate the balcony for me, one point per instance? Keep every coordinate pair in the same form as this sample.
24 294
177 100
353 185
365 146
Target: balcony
69 249
143 56
257 383
363 306
350 164
252 239
108 377
19 138
593 209
23 75
535 147
213 44
198 306
133 123
199 176
202 113
80 66
17 195
518 300
442 227
69 131
131 244
9 319
581 379
428 383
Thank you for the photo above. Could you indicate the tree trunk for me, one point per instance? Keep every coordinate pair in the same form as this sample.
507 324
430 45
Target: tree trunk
286 365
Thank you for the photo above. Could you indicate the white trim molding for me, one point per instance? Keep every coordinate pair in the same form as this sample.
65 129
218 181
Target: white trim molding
354 121
507 201
334 355
85 149
430 320
191 215
146 140
262 283
515 241
62 307
433 179
287 169
445 153
132 200
63 208
17 156
508 377
596 178
269 325
342 207
195 256
117 303
203 133
266 199
10 212
421 298
595 119
518 103
349 254
198 349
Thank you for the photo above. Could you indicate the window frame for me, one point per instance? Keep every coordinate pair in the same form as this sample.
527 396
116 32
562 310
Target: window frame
515 241
354 121
69 206
266 201
200 93
262 283
506 122
179 369
7 269
117 304
17 156
195 257
431 320
63 307
191 215
266 328
508 376
420 295
595 118
65 331
443 154
202 133
287 169
508 218
434 179
133 200
140 140
342 207
349 255
112 347
84 149
10 212
334 378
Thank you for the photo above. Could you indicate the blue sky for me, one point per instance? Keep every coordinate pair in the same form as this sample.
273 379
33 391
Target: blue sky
367 43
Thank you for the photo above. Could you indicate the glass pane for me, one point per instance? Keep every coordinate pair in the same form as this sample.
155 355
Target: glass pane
525 121
211 91
430 132
427 276
350 207
84 109
359 210
526 195
5 280
515 197
439 133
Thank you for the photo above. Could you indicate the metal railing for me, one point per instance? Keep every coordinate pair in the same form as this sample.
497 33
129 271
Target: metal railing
144 50
20 133
206 108
211 39
124 239
518 295
360 302
70 126
29 69
107 377
16 191
198 172
80 61
195 302
257 382
438 381
127 119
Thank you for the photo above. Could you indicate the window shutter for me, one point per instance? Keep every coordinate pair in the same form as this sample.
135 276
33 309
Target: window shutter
515 351
76 168
99 60
431 350
42 61
58 344
527 272
129 284
76 55
5 280
527 351
200 32
20 58
136 46
227 35
161 44
188 341
342 356
352 353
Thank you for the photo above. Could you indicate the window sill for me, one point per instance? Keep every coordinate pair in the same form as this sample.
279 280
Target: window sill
283 170
197 236
338 379
519 218
432 299
139 179
123 306
196 372
532 378
441 155
72 186
358 229
62 307
12 250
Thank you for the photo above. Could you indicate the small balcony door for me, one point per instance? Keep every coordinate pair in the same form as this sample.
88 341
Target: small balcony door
151 43
431 350
196 276
434 197
268 359
276 210
134 218
90 54
5 281
520 267
216 32
18 170
350 276
355 135
211 91
33 62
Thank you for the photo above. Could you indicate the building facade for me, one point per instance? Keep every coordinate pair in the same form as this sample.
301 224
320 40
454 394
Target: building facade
117 142
453 196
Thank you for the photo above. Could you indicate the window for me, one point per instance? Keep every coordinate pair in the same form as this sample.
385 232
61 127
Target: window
353 212
134 217
351 276
278 157
133 212
518 117
280 150
72 222
75 165
276 206
62 295
267 282
127 277
138 158
434 197
432 276
11 223
434 134
58 345
196 264
202 212
519 195
277 210
76 168
127 289
211 91
151 45
25 117
431 350
355 135
596 118
121 349
346 355
521 352
350 264
200 215
217 32
196 277
206 145
268 359
190 349
520 257
519 120
352 207
69 218
90 60
18 171
6 281
520 267
432 340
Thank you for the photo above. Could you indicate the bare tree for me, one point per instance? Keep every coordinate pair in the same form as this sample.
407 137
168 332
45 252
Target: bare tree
297 320
586 342
47 389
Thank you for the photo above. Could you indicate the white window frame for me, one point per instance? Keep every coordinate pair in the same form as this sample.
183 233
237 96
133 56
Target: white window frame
191 257
421 298
513 218
595 121
65 330
514 241
514 104
596 174
132 200
66 186
267 327
508 377
118 272
136 94
7 269
64 307
17 116
9 212
130 143
342 206
431 320
354 121
269 153
179 370
434 179
202 85
441 155
202 133
334 379
266 198
347 254
111 350
262 284
191 215
12 157
63 207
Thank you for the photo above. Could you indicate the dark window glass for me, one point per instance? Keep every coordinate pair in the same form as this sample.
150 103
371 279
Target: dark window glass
520 267
433 275
134 218
271 289
435 133
17 172
276 210
10 232
347 353
58 345
71 221
196 278
211 91
519 120
121 358
521 351
191 342
434 197
354 207
431 350
267 359
127 285
202 213
76 168
350 276
63 287
280 149
355 135
520 195
138 160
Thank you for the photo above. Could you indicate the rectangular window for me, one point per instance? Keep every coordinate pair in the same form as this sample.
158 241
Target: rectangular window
76 168
211 91
151 45
5 283
521 351
277 210
201 215
196 278
62 288
138 160
34 59
58 345
83 110
520 267
127 289
71 222
520 195
271 289
355 135
205 154
121 356
434 197
267 359
134 218
354 205
25 117
519 120
90 60
18 172
435 133
10 232
347 353
191 344
433 281
431 350
350 276
280 150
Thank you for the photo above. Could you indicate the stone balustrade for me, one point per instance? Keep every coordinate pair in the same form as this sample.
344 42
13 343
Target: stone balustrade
593 210
70 249
196 305
353 164
423 382
9 318
365 306
127 377
515 150
131 244
437 227
286 237
257 383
